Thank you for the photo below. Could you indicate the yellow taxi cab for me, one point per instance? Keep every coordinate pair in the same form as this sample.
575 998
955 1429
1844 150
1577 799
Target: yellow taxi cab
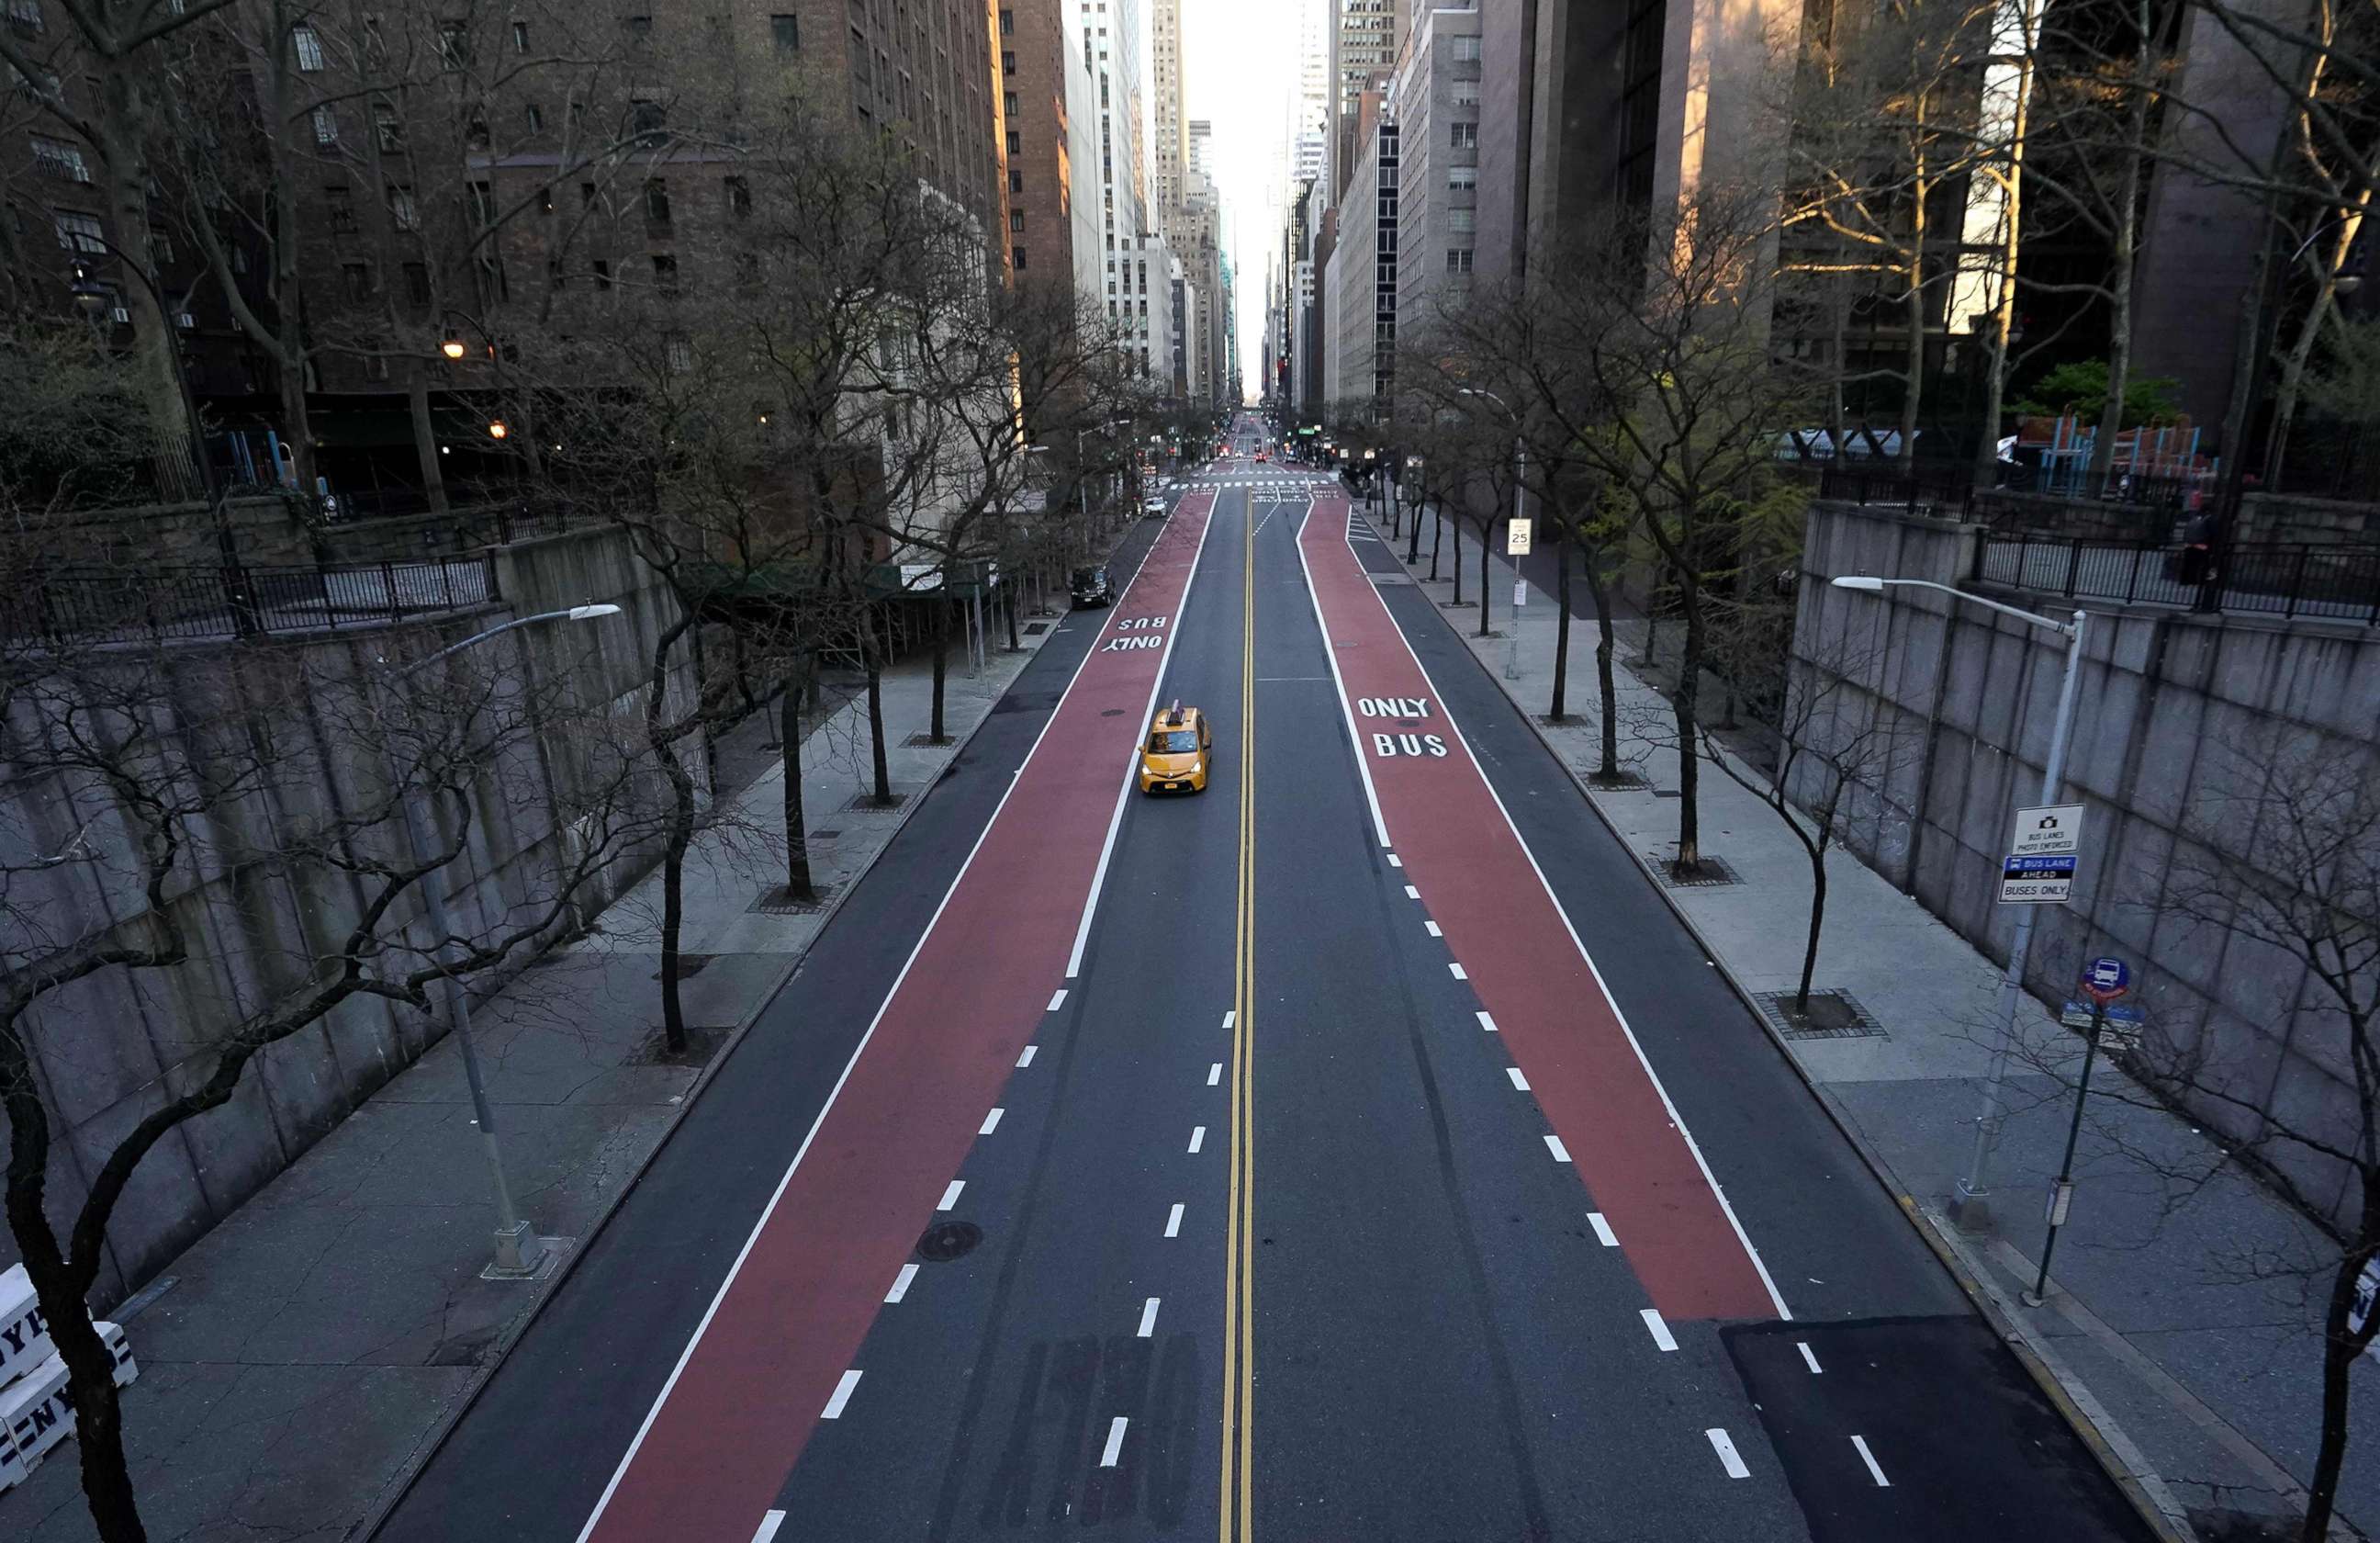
1174 758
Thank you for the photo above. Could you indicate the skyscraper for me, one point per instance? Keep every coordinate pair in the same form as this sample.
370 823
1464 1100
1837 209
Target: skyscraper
1364 36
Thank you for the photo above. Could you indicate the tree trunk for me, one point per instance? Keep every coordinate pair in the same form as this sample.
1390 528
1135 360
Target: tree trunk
880 766
124 122
1486 547
1607 688
2340 1351
1458 564
1413 536
2012 227
681 836
425 443
941 667
1817 919
1437 537
1008 609
1684 702
1554 710
2120 260
798 883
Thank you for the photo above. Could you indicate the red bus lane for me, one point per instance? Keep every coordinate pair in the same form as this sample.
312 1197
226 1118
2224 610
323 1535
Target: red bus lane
779 1341
1528 968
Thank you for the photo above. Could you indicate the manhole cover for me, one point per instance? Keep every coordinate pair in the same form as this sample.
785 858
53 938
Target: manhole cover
945 1241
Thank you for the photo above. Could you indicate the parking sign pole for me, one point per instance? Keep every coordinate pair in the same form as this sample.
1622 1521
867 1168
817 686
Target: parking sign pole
1971 1201
2105 982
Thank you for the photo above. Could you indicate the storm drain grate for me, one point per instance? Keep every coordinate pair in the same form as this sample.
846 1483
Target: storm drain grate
1709 873
829 833
1035 629
945 1241
1832 1015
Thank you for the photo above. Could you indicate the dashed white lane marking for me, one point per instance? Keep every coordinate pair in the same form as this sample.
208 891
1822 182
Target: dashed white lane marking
1115 1442
1214 1074
1661 1331
1395 862
1026 1059
1231 1018
1728 1458
900 1282
768 1528
950 1195
1412 894
1148 1317
842 1395
1057 999
1198 1136
1518 1080
1173 1221
1433 930
1457 971
991 1122
1560 1152
1808 1358
1603 1232
1868 1457
1485 1022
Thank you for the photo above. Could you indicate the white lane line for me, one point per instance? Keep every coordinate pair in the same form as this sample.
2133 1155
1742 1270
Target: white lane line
1433 930
768 1528
1057 999
950 1195
1457 971
1198 1136
1868 1457
1668 1107
1560 1152
900 1282
1214 1074
1026 1059
1727 1453
1519 1081
1809 1358
1231 1018
1412 894
1173 1221
1395 862
1659 1331
842 1395
1115 1442
1485 1022
1148 1317
1603 1232
991 1122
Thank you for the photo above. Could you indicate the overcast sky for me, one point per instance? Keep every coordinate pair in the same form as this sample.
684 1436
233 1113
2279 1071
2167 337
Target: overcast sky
1239 58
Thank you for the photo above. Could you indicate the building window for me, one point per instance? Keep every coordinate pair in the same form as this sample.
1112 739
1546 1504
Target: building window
1461 179
679 353
1015 180
639 28
747 271
308 46
1007 63
1015 143
357 279
657 204
1008 103
646 118
664 273
534 115
390 126
1467 50
483 203
25 18
602 271
1461 222
161 245
454 44
81 233
1466 93
375 353
1016 258
59 161
1458 260
739 196
1008 29
400 206
520 37
326 128
416 284
786 31
1465 135
342 208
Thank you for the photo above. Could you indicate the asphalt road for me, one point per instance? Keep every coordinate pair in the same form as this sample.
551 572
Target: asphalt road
1382 1162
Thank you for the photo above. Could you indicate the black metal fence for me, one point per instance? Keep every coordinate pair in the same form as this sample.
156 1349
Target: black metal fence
101 606
2341 583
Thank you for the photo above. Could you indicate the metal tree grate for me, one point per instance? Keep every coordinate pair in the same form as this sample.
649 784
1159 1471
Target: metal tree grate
1834 1015
865 803
772 902
1711 873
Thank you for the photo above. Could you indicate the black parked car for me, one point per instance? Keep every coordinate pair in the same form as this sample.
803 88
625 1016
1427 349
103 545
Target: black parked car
1092 587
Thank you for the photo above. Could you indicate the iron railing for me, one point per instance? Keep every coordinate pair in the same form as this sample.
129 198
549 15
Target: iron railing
2341 583
101 606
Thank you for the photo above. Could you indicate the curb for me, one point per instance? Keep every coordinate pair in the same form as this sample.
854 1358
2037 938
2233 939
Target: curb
1946 1250
401 1483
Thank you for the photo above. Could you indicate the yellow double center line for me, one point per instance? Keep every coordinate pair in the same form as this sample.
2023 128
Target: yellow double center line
1236 1519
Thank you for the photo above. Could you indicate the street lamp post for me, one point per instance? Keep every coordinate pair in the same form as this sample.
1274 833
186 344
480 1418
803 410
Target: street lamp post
1971 1204
520 1252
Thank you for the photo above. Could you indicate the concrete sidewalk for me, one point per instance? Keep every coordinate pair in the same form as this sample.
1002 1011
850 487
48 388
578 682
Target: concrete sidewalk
300 1357
2175 1325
